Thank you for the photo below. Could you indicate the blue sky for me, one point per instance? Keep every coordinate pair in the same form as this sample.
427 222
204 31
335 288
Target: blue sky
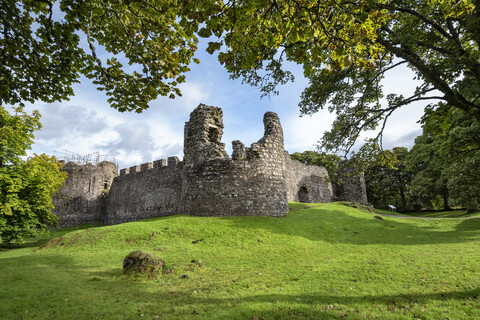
86 124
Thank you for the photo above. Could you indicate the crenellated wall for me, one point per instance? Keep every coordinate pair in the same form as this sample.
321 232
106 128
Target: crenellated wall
146 191
255 180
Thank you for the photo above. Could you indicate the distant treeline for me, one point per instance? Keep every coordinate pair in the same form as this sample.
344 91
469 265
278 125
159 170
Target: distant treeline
441 171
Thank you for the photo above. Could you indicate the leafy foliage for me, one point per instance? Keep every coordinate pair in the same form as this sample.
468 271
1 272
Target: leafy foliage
440 171
388 183
446 158
347 47
431 171
42 56
26 187
16 134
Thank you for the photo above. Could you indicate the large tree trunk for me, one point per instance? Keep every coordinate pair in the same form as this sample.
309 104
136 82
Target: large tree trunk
446 204
404 199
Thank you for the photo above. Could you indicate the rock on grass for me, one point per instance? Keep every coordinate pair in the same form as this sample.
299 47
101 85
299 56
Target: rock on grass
139 261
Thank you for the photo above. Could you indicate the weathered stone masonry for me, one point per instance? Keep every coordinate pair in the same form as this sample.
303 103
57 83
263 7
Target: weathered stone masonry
255 180
82 200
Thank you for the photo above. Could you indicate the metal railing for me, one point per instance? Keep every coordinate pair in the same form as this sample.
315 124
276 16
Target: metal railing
93 158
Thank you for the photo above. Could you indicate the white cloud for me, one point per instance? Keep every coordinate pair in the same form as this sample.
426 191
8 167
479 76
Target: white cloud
302 133
59 121
86 124
193 94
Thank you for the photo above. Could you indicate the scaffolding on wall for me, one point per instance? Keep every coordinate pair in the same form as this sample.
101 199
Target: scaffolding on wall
93 158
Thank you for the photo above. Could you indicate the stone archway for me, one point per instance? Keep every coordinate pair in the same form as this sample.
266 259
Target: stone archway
303 195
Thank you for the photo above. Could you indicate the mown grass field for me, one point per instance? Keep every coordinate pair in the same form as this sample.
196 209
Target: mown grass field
461 213
323 261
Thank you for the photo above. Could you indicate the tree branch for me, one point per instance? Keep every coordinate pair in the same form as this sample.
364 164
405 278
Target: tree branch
428 21
93 50
451 96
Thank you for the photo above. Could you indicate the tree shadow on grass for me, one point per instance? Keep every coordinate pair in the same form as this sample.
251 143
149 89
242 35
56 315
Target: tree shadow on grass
30 243
319 306
337 226
136 297
172 303
469 225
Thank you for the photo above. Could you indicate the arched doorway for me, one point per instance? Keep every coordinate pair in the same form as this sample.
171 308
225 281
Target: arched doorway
303 195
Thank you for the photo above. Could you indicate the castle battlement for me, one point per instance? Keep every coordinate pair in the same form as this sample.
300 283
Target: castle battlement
255 180
170 162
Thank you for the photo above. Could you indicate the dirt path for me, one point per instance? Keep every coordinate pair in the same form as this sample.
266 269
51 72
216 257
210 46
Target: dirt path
424 218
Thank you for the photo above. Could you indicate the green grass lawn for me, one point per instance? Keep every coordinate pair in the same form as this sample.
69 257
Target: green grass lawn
435 213
323 261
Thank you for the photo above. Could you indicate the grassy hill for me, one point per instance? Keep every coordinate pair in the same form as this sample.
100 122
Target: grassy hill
323 261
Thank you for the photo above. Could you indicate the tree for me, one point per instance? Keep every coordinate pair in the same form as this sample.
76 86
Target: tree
454 142
41 54
26 186
347 47
446 158
431 171
464 182
388 183
462 149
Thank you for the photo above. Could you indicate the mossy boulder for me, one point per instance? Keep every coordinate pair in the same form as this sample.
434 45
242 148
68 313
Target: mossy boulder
139 261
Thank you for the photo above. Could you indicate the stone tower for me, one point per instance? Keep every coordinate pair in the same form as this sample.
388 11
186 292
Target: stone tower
255 180
350 185
203 135
250 183
82 199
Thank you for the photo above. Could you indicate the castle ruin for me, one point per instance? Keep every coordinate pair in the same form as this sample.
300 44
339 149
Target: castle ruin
256 180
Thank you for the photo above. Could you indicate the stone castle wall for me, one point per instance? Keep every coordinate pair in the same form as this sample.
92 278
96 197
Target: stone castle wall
146 191
350 186
82 198
310 184
255 180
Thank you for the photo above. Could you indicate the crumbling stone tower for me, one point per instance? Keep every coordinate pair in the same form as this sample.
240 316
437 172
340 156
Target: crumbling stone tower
203 135
250 183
